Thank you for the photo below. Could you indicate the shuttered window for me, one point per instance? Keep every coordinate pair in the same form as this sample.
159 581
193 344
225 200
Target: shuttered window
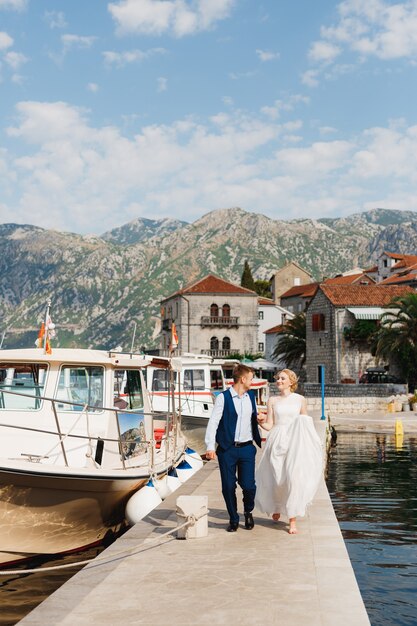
318 322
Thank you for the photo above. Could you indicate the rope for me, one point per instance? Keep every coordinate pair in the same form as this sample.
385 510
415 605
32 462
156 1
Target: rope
190 521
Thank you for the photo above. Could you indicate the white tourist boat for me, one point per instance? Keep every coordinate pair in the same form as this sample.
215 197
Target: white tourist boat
77 439
195 384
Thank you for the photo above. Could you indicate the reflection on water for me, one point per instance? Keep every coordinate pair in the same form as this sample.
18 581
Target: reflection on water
21 594
372 482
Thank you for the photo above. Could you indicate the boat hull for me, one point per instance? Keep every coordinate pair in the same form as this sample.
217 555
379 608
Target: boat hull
43 513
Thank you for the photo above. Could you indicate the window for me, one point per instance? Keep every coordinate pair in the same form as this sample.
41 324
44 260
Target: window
193 379
214 343
318 322
160 379
226 343
226 310
25 378
128 389
297 281
385 262
214 310
216 379
260 315
261 346
300 307
80 384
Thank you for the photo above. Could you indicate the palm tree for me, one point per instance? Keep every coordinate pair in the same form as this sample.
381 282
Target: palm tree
396 339
291 344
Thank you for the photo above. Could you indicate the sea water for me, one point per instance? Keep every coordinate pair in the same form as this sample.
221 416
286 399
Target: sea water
372 480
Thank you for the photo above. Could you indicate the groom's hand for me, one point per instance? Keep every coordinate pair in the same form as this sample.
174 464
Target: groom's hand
210 455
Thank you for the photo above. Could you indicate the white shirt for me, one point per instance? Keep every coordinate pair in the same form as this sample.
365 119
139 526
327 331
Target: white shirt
244 408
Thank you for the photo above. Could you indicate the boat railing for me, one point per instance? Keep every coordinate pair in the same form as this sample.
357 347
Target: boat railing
159 447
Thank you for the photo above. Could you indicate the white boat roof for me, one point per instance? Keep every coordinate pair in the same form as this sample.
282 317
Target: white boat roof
75 355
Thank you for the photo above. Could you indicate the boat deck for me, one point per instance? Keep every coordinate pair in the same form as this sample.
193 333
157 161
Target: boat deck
263 576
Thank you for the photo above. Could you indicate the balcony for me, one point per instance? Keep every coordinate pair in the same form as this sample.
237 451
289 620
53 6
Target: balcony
218 353
225 322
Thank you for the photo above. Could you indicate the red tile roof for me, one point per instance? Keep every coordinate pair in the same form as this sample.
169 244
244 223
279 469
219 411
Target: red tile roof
363 295
350 279
399 278
266 301
213 284
274 329
406 261
304 291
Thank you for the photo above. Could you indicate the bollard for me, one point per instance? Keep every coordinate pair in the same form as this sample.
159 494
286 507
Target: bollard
192 507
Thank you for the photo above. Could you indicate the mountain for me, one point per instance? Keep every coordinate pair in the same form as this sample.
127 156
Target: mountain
141 229
99 286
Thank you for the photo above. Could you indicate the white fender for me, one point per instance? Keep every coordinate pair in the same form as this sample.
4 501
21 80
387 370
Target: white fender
162 487
185 471
173 482
193 458
141 503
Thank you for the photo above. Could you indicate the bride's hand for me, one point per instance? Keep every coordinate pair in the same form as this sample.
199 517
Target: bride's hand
261 418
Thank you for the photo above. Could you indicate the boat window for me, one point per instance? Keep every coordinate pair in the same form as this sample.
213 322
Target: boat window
128 393
216 379
80 384
160 379
22 378
193 379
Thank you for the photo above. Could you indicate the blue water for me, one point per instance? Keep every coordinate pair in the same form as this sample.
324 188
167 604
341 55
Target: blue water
372 480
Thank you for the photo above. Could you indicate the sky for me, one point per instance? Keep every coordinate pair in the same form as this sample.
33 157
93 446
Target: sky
110 111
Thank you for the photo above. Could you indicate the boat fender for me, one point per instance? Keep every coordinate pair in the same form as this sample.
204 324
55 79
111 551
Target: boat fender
163 487
141 503
193 458
173 480
185 471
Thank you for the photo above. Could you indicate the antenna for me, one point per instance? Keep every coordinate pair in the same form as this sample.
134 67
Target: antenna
133 338
2 338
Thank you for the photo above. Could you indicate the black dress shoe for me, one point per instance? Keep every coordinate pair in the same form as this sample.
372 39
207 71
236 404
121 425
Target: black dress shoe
249 523
233 526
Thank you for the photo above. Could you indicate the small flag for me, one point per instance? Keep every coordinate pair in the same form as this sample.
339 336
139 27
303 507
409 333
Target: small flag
174 338
41 335
47 329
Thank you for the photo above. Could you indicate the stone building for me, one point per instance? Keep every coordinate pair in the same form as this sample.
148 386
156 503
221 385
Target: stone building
291 275
331 314
212 316
296 299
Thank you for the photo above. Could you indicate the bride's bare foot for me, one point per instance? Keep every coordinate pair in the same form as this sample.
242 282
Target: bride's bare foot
293 527
276 516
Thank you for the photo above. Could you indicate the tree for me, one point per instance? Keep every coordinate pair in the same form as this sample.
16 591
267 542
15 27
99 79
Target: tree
263 288
291 344
247 278
396 339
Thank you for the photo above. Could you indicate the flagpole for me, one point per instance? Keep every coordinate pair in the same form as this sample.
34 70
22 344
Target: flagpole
45 339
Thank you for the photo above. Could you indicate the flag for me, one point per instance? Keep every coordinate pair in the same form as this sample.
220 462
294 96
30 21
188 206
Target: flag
174 338
46 332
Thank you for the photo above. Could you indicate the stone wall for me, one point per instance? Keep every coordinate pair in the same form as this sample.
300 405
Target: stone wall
321 345
350 399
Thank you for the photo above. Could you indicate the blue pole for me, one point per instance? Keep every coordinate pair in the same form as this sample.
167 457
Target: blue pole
323 417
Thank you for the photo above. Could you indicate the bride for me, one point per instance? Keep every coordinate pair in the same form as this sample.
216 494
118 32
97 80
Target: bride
291 466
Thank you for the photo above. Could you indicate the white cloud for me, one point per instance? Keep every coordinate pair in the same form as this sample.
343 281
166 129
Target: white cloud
310 78
13 5
162 84
77 41
75 176
121 59
15 59
288 104
267 56
93 87
55 19
5 41
323 51
180 17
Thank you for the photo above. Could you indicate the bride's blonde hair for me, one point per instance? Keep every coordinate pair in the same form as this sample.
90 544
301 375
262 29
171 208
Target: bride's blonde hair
291 375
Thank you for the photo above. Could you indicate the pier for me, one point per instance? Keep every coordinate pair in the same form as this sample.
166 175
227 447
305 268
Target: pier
264 576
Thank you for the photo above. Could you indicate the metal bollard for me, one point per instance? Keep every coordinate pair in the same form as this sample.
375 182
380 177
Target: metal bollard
194 508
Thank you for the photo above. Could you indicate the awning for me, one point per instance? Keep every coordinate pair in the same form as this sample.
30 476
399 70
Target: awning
367 312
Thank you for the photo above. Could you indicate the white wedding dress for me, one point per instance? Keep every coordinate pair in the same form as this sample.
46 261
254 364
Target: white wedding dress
291 466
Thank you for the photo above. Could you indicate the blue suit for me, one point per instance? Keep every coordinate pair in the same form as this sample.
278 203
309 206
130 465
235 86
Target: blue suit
240 460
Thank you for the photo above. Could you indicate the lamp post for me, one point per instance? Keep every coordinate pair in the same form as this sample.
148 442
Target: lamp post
321 380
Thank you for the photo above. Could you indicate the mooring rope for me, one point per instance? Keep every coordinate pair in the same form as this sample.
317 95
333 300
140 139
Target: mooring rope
190 521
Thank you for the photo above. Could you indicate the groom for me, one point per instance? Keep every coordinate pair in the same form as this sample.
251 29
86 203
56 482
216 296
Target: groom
233 426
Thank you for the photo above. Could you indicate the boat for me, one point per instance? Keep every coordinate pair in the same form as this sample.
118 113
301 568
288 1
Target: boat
77 439
197 381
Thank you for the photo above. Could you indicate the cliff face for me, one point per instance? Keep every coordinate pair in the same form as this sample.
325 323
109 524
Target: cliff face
99 286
